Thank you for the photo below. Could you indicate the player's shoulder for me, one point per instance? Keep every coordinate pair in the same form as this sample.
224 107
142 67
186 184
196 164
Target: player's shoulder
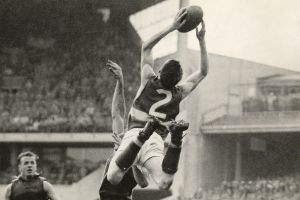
8 187
14 179
147 71
47 186
42 178
149 82
178 91
154 79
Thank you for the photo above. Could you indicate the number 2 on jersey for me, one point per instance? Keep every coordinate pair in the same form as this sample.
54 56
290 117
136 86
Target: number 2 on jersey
160 103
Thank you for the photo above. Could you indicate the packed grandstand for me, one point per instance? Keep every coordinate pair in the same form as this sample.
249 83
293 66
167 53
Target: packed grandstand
286 187
54 77
61 84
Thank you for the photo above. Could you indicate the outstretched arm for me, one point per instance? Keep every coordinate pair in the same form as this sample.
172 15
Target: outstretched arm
147 59
188 85
118 108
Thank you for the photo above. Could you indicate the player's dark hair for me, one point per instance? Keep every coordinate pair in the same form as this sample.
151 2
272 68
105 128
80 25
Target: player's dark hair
26 154
170 73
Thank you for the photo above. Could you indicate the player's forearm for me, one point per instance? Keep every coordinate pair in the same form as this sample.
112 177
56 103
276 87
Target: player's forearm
156 38
204 58
118 103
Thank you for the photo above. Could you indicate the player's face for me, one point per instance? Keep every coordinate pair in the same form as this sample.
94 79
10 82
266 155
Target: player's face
27 166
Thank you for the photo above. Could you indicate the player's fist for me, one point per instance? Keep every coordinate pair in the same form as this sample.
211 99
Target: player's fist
115 69
117 138
179 19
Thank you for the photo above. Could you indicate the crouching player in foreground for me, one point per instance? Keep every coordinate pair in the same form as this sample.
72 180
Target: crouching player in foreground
29 185
133 176
159 97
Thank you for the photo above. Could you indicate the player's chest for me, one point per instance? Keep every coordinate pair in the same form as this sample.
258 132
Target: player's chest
30 187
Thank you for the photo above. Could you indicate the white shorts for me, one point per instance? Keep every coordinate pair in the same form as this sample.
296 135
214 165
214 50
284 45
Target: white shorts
153 147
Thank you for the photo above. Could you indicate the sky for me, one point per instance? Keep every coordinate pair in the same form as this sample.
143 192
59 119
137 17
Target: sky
263 31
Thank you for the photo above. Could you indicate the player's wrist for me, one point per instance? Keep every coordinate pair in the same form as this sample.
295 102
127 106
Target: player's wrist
120 78
202 42
171 28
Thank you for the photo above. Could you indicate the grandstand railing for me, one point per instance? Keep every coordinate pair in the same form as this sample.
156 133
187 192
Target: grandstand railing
214 113
266 117
274 115
255 122
78 138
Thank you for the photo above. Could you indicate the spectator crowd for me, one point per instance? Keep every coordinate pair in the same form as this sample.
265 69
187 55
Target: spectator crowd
53 75
66 89
279 188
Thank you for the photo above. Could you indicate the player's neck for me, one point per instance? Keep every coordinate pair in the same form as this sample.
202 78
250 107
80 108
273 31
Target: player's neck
26 177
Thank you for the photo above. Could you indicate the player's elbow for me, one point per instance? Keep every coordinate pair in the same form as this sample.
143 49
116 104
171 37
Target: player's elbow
204 72
165 185
146 49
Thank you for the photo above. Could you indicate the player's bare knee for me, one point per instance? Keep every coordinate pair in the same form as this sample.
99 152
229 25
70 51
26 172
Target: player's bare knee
165 184
165 181
114 174
115 177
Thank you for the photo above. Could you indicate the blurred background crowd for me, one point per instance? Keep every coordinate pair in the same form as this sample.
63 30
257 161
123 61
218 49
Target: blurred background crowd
279 188
272 102
54 76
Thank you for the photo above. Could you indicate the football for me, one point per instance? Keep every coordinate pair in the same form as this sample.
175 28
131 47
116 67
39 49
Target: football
193 18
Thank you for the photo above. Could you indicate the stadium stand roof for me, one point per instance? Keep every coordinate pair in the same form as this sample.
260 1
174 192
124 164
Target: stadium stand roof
255 122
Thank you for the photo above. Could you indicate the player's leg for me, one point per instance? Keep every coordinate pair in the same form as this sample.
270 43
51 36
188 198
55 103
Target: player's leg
162 169
151 157
124 158
171 159
162 180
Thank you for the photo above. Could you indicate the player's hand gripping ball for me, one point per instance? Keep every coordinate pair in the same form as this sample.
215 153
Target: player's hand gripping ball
192 19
